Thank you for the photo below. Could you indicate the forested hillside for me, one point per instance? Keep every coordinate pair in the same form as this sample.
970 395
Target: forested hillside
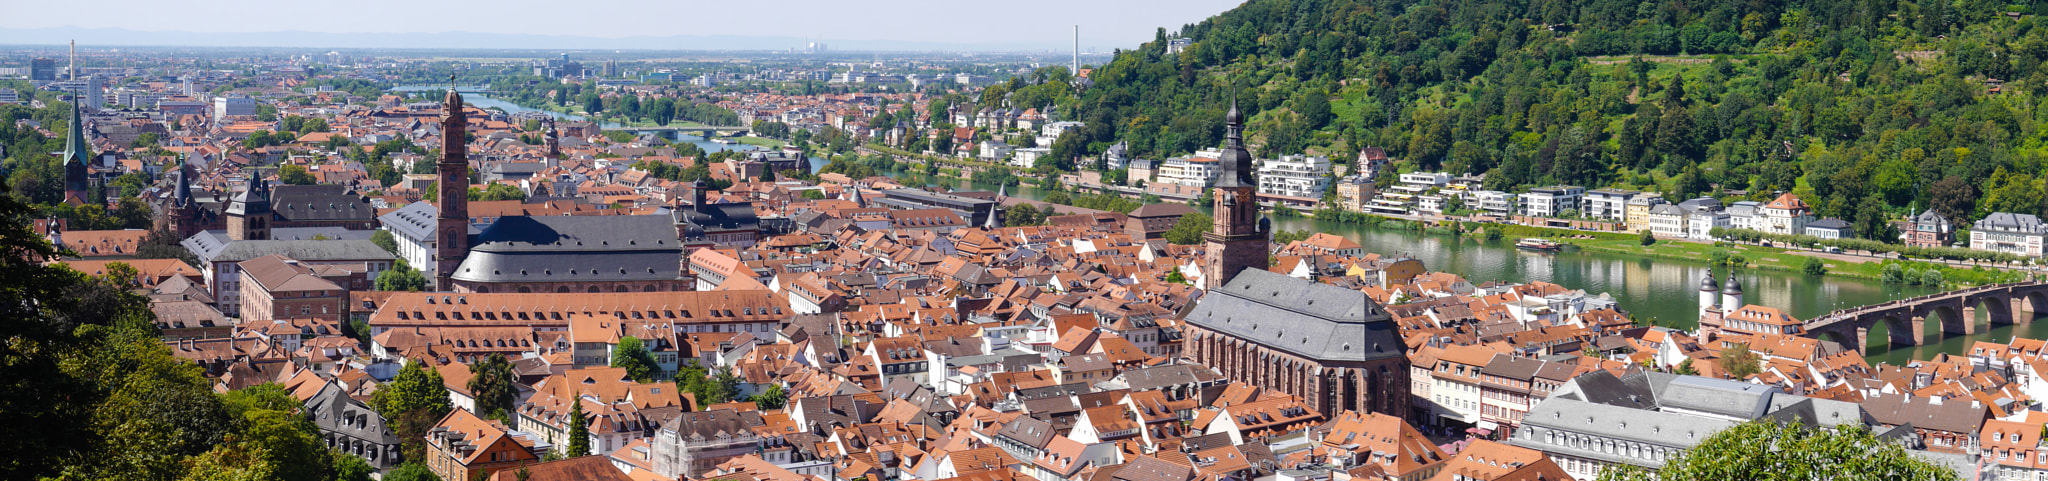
1866 108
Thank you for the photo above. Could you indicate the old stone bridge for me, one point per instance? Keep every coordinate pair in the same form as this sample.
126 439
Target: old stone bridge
1905 320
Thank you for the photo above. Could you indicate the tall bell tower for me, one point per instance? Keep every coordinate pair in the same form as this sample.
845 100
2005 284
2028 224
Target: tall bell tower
1238 240
452 221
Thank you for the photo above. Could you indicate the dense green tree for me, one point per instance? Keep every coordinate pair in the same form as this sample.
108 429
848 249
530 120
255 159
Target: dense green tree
771 398
401 277
491 382
579 432
412 403
1022 215
1188 230
1739 362
497 192
632 354
384 240
416 387
1813 266
411 471
349 467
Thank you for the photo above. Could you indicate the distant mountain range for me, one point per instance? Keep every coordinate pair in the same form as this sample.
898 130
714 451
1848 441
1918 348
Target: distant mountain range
472 40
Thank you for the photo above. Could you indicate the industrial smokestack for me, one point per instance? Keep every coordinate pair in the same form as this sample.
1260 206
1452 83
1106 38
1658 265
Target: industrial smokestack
1076 69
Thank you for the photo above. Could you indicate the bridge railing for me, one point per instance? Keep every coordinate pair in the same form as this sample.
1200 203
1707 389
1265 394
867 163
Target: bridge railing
1840 314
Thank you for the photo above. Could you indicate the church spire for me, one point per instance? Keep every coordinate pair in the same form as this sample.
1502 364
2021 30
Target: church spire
995 213
1236 162
183 194
76 152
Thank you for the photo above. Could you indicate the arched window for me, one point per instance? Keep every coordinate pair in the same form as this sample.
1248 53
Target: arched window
593 289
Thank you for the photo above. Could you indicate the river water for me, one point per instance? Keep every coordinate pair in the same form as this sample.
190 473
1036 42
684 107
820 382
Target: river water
1666 290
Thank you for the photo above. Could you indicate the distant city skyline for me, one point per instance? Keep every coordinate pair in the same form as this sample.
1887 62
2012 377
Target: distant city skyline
621 24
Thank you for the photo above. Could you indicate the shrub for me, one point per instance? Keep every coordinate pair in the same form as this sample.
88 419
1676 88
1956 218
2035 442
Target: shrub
1814 266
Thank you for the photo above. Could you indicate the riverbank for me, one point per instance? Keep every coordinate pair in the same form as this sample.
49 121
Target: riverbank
1756 257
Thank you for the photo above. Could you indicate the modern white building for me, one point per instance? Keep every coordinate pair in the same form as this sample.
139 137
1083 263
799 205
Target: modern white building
1492 202
995 150
1025 158
1189 171
1401 197
1295 176
1607 204
1551 201
224 107
1052 131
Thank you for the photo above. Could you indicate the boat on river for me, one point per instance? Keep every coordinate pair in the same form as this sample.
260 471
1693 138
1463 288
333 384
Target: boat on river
1539 245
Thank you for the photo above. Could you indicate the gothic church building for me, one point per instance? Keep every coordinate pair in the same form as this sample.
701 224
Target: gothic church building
1333 347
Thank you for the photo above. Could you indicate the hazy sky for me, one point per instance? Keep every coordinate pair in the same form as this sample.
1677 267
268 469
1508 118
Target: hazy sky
1047 23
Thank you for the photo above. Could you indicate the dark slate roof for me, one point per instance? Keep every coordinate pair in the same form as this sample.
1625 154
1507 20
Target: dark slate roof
331 406
414 221
2010 222
1602 387
728 216
319 233
212 246
1299 316
563 233
575 248
319 202
1930 217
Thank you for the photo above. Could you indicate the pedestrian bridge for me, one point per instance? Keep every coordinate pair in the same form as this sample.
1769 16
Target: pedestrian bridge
1906 320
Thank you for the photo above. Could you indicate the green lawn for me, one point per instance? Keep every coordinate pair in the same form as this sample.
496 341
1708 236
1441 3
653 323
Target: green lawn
1758 257
761 142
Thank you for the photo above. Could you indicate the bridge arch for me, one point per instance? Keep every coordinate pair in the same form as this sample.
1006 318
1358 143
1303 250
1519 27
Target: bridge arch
1945 319
2030 303
1997 309
1899 331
